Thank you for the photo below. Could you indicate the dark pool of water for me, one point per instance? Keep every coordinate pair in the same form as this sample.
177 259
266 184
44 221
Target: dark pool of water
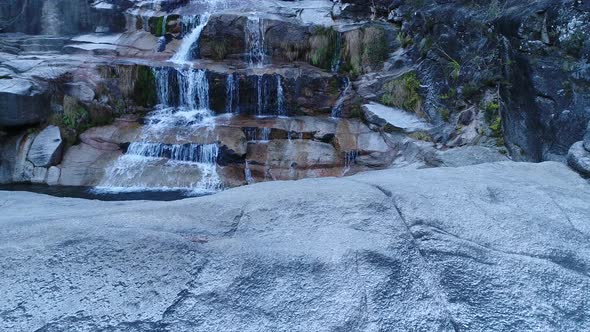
88 193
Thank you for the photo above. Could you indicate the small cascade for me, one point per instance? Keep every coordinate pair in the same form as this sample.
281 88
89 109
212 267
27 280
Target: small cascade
51 18
164 22
232 94
195 153
280 98
265 134
248 173
349 160
337 59
194 89
145 23
255 44
162 85
190 43
148 164
254 134
337 109
259 96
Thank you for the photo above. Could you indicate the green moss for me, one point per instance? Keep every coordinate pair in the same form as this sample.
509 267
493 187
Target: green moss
421 136
219 49
491 111
323 47
496 131
364 50
425 46
375 46
574 44
449 95
455 69
158 26
470 90
145 87
405 39
445 114
403 93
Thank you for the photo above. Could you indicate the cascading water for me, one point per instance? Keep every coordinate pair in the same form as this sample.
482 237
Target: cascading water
259 96
280 98
349 160
337 59
255 44
190 43
232 94
337 110
150 165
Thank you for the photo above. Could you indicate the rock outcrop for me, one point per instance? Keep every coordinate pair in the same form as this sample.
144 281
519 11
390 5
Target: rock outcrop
444 249
579 155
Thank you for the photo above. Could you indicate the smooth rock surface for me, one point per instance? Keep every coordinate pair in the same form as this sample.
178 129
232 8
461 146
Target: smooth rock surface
393 118
46 148
502 247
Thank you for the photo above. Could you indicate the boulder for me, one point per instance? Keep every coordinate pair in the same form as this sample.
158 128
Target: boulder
579 158
53 174
23 168
46 149
393 119
39 175
22 103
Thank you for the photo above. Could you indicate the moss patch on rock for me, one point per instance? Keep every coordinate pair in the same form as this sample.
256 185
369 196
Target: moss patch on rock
364 50
403 93
323 47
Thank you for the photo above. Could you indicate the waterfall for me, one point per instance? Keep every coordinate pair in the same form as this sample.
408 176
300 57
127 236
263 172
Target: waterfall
280 98
349 160
255 48
162 83
196 153
51 18
232 94
337 110
337 60
190 42
194 89
265 134
164 22
259 96
248 173
148 164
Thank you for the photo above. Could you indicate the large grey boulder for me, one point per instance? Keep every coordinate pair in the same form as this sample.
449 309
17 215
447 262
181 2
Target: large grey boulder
579 158
393 119
46 149
499 247
22 102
